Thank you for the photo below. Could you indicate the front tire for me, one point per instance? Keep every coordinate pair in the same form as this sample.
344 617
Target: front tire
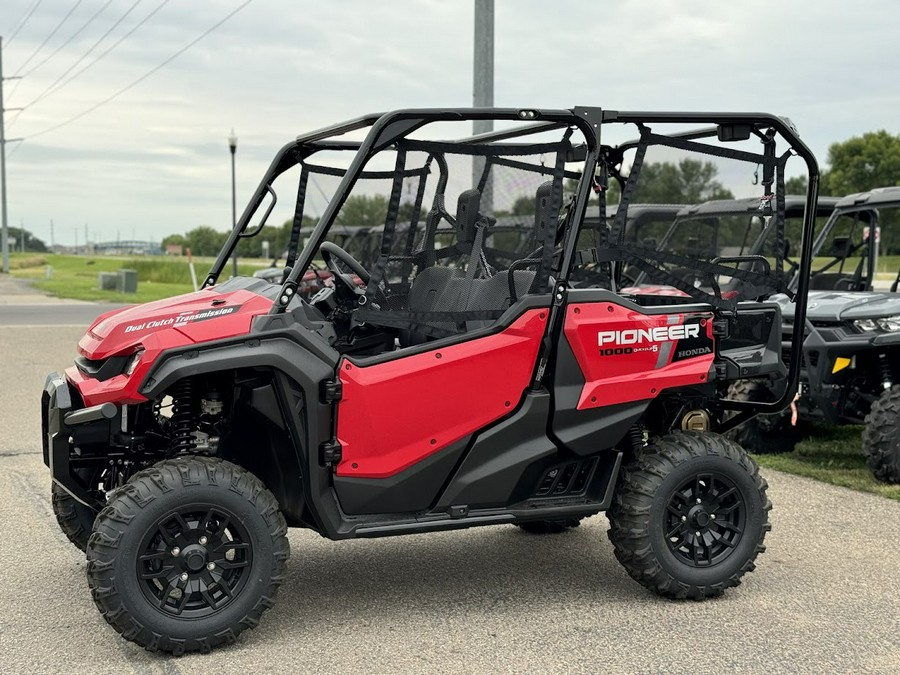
763 434
74 518
187 554
689 516
881 436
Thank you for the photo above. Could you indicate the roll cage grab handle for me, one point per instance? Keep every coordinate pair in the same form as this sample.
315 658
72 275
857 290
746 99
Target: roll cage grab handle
388 127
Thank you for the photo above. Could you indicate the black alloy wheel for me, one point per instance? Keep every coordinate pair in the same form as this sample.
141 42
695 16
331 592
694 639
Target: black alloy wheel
187 554
705 519
195 560
690 515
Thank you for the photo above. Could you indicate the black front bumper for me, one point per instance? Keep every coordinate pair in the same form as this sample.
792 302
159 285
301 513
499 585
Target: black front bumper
57 402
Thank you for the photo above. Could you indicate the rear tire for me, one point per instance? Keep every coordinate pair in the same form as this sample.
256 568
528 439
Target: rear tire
763 434
557 526
187 554
681 485
881 436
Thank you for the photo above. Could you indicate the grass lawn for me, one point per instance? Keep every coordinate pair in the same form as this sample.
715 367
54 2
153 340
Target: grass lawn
833 455
77 276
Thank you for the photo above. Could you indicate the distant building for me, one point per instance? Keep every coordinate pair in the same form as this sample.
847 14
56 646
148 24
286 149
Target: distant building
127 247
174 249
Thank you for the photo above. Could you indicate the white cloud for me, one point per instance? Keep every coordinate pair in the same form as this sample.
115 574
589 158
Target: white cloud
156 160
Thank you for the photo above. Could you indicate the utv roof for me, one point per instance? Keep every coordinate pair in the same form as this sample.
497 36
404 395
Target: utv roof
750 205
638 212
876 197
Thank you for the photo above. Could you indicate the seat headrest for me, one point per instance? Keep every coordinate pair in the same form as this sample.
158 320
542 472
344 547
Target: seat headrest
467 214
543 216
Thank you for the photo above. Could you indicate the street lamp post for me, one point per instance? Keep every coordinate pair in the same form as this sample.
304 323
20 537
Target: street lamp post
232 145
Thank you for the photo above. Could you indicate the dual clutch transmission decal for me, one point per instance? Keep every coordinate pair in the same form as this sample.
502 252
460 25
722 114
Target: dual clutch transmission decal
183 319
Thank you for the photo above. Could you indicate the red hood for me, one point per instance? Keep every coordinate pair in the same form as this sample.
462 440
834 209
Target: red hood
194 317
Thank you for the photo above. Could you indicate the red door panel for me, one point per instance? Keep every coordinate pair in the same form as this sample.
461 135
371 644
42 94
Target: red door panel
627 356
392 415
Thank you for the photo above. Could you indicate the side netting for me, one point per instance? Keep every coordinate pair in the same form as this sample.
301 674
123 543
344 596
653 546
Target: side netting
748 276
463 264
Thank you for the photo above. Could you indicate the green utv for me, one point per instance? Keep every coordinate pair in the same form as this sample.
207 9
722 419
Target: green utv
850 361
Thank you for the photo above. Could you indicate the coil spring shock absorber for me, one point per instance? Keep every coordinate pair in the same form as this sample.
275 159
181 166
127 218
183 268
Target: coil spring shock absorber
183 416
884 369
636 438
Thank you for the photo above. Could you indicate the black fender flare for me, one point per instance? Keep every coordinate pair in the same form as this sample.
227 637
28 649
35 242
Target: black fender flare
299 363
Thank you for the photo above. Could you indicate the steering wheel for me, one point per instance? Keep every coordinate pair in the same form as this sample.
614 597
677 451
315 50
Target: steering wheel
330 252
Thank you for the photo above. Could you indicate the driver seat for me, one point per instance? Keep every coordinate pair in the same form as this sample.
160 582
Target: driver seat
429 290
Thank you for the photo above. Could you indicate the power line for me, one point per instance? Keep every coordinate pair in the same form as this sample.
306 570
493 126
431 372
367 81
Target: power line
145 75
15 149
114 45
48 38
59 49
28 13
47 91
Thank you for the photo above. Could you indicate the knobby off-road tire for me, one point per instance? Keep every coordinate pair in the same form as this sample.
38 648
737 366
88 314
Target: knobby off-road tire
148 559
680 485
763 434
557 526
881 436
74 518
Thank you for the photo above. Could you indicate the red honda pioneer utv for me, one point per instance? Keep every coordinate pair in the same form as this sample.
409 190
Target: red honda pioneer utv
447 393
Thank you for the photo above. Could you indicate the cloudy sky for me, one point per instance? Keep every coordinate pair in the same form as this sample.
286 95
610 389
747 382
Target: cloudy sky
155 159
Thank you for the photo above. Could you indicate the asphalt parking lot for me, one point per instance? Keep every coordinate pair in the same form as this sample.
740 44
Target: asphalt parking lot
824 598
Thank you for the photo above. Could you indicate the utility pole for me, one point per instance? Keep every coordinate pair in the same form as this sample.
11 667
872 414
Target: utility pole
76 240
4 228
52 241
4 234
483 88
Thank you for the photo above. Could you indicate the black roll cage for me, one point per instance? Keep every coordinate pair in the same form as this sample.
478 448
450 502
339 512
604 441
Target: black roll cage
386 128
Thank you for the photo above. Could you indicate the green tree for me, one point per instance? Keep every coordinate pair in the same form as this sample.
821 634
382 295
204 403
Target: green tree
691 181
172 240
204 240
32 243
363 210
796 185
862 163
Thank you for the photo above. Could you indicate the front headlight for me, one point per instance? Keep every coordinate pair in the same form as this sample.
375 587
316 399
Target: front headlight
133 362
889 323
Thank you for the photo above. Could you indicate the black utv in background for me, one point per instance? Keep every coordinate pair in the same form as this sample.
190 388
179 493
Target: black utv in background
850 362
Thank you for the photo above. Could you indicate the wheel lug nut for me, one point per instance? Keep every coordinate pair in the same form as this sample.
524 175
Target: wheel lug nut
203 540
697 533
176 551
184 576
211 566
712 515
699 501
683 518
